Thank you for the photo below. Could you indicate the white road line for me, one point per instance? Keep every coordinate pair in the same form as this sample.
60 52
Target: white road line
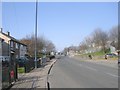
90 68
112 75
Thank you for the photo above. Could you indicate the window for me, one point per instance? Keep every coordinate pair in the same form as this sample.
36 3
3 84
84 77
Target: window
11 44
16 45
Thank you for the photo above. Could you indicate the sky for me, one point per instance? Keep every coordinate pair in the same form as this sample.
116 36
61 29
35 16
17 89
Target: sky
64 23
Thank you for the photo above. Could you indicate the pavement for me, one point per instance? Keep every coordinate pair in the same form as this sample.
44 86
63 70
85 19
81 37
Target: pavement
37 78
69 72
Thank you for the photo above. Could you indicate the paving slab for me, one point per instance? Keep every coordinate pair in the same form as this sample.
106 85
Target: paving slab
37 78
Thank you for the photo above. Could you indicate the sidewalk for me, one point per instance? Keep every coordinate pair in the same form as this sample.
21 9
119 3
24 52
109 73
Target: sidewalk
37 78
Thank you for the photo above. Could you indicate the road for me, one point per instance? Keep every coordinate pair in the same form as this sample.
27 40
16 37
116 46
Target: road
72 73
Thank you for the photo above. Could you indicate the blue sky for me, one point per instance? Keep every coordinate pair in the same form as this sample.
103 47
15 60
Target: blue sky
64 24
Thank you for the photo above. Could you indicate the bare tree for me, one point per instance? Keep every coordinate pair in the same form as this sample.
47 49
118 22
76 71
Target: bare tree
100 38
29 41
83 46
89 41
49 46
42 43
113 36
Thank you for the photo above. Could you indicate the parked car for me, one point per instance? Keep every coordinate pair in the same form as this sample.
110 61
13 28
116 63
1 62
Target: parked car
51 57
110 55
21 61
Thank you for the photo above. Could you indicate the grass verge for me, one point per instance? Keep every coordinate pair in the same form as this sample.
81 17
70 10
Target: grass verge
21 70
100 55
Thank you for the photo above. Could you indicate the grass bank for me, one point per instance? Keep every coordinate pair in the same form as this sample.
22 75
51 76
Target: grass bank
100 55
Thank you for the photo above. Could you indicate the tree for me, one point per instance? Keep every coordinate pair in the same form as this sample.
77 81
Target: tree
29 41
100 38
89 41
83 46
113 36
49 46
42 43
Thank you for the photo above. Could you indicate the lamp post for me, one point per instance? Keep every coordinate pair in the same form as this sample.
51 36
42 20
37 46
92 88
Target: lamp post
36 34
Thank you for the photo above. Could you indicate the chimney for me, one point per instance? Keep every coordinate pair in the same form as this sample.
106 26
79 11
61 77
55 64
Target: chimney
8 33
1 30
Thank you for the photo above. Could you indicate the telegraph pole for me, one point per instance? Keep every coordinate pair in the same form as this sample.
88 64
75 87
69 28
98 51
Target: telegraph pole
36 34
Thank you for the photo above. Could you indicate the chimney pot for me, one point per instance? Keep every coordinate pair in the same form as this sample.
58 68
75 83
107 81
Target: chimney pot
8 33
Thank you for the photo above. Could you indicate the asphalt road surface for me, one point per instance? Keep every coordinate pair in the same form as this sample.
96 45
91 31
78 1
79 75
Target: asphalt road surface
71 73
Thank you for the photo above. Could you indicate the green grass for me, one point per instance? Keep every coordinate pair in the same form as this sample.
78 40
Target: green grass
21 70
99 53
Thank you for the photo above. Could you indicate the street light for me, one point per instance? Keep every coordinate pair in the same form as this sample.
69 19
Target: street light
36 34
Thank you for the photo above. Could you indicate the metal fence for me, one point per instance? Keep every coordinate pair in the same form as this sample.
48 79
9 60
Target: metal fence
8 72
29 65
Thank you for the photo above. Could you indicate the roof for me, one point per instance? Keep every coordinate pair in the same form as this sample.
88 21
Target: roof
13 39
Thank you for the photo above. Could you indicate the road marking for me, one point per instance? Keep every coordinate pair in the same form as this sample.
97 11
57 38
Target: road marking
90 68
112 75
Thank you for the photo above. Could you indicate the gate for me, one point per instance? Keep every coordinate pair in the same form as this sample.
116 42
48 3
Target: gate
8 71
5 71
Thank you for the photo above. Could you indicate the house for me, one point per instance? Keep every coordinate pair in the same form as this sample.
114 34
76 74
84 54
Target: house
10 50
1 42
12 46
